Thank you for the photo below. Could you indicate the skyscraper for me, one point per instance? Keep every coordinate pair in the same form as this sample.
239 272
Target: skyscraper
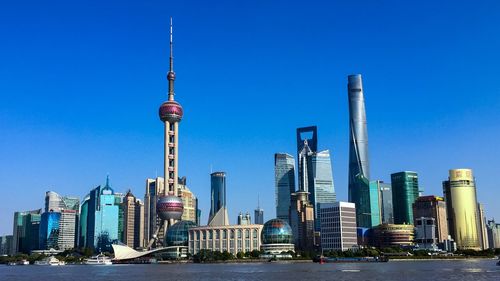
375 208
99 218
493 230
302 221
386 208
25 231
314 171
69 207
284 179
154 189
56 202
481 224
404 194
338 226
133 221
309 134
218 208
433 207
258 214
359 166
461 204
49 230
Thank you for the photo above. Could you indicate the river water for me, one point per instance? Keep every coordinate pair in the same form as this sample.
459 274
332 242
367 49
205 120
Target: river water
476 270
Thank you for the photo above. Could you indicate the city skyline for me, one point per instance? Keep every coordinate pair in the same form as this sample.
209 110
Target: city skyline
115 85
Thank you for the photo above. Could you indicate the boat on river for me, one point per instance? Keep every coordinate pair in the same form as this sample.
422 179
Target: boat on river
322 259
98 260
52 261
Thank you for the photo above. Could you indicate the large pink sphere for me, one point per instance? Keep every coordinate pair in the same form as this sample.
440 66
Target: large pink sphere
171 111
170 207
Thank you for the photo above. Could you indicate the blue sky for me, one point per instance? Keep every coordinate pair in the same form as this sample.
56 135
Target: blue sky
81 83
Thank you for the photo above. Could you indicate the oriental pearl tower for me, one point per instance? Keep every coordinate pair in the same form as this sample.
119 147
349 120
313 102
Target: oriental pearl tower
169 206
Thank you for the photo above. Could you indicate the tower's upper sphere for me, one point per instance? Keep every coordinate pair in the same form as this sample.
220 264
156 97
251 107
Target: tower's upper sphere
170 207
170 111
276 231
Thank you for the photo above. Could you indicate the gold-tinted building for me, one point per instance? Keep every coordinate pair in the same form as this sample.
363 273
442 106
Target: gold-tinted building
461 204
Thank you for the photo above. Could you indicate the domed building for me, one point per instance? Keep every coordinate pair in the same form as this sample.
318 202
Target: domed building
277 237
177 234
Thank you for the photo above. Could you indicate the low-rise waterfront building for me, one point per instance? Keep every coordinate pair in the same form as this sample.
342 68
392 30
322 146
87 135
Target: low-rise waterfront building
231 238
393 235
277 237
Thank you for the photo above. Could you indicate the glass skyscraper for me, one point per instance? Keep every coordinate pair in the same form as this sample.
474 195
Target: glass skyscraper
386 208
359 167
101 220
284 180
49 230
217 193
315 171
404 194
322 191
25 232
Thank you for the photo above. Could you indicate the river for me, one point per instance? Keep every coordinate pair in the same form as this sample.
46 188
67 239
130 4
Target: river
476 270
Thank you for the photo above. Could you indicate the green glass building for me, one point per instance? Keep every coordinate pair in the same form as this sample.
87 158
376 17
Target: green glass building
404 194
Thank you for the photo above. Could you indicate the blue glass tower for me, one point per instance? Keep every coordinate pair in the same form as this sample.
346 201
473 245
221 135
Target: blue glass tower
49 230
101 220
217 193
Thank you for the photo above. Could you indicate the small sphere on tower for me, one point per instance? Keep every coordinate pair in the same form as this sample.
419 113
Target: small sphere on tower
170 111
171 75
170 207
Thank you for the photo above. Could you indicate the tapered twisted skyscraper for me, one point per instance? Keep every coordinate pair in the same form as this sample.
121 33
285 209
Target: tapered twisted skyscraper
359 167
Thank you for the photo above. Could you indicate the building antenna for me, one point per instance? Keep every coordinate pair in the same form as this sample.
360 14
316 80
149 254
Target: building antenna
258 201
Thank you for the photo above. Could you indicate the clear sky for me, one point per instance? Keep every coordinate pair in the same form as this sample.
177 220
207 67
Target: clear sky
81 83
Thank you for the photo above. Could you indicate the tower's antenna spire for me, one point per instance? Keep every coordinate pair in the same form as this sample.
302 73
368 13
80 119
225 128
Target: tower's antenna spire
258 201
171 48
171 73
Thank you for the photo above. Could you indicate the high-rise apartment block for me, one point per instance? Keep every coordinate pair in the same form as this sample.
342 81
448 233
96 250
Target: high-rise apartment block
404 194
481 224
338 226
461 204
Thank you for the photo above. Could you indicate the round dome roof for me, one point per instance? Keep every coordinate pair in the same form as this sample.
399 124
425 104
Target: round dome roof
177 234
277 231
170 207
171 111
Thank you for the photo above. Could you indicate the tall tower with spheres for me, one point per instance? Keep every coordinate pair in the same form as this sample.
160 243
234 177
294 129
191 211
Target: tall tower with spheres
169 206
